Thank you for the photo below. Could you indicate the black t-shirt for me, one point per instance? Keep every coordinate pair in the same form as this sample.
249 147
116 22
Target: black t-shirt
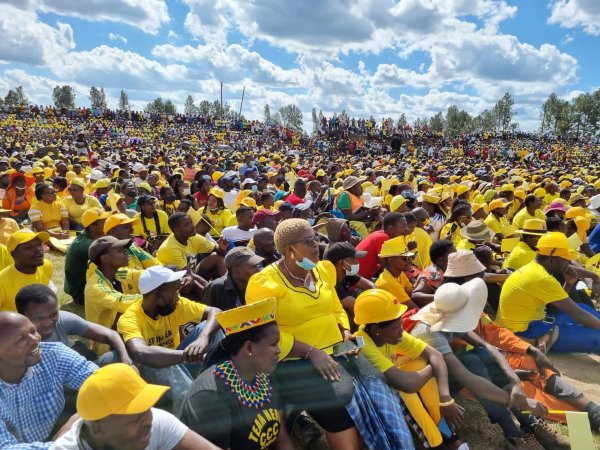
344 287
213 411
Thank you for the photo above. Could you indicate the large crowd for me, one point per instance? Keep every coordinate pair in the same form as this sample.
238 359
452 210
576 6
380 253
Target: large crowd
243 285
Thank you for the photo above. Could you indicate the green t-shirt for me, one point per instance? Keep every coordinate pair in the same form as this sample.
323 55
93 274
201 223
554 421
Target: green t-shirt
76 262
343 201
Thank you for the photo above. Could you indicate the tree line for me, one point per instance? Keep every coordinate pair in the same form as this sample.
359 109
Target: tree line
577 117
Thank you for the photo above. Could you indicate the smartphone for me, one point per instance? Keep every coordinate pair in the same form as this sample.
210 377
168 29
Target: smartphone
581 285
548 319
347 346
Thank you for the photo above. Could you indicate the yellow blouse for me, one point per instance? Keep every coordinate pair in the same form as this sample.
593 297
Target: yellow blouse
76 211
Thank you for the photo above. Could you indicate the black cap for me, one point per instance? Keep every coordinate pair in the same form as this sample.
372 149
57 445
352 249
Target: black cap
341 250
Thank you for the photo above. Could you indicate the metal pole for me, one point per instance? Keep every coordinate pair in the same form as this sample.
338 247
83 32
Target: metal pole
221 100
241 103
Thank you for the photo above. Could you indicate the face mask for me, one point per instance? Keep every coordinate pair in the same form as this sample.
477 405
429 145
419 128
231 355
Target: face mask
186 191
311 221
353 270
254 188
305 263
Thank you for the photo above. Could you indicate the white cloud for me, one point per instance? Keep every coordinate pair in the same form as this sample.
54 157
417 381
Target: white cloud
147 15
577 13
28 40
117 37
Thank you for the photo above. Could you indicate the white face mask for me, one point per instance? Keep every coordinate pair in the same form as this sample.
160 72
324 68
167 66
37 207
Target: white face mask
353 270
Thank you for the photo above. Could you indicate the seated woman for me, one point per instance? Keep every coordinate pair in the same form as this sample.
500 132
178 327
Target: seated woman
459 218
404 360
234 403
152 228
168 201
350 203
48 214
216 212
78 203
18 196
7 225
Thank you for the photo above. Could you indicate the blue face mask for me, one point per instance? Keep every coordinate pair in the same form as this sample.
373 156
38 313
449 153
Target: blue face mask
254 188
311 221
305 263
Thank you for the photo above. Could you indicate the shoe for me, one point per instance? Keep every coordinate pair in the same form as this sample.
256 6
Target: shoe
549 438
593 411
525 442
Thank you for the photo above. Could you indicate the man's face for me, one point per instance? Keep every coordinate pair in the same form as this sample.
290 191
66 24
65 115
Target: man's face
124 231
124 431
167 297
245 219
185 228
118 257
44 316
21 347
29 254
242 273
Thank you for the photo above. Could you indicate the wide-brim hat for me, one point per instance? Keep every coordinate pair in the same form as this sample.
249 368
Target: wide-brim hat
536 227
455 308
463 263
477 230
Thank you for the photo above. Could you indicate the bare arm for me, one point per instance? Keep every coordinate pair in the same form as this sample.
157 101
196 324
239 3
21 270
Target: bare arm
193 441
422 294
196 350
409 382
104 335
365 284
578 314
153 355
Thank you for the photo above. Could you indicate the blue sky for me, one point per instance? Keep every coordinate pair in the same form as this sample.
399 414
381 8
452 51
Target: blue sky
369 57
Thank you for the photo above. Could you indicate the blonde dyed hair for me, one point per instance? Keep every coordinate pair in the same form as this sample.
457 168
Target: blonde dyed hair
287 233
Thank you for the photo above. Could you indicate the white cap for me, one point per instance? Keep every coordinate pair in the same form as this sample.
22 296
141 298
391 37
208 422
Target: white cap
139 167
96 175
156 276
248 181
595 202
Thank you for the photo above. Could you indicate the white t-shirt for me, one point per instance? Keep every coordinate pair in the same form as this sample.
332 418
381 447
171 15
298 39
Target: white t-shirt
167 431
230 198
235 234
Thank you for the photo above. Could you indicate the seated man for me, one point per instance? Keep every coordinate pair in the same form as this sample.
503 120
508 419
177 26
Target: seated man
130 423
112 287
187 250
241 234
76 259
524 252
30 266
568 327
121 227
33 376
349 284
433 276
229 291
264 246
39 304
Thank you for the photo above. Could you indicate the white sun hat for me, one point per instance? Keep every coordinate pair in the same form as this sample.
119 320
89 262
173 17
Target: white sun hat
455 308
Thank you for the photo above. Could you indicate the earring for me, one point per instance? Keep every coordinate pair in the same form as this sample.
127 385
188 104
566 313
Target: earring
250 353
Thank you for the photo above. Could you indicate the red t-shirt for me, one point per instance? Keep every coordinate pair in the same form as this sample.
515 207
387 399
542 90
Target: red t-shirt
201 198
294 200
372 244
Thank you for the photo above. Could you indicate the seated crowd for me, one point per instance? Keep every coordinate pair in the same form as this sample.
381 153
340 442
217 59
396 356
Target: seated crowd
233 300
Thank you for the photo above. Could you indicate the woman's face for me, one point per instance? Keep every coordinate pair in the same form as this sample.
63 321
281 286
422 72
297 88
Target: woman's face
49 195
212 202
149 208
392 333
265 352
75 191
306 245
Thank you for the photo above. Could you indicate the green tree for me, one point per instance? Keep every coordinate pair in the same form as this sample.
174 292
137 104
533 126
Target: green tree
156 106
457 121
170 107
97 98
190 108
16 97
267 113
557 115
402 122
503 110
64 97
124 101
291 116
204 108
315 120
485 121
436 123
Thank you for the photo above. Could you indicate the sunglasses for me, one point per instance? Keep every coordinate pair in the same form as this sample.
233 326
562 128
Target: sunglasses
311 241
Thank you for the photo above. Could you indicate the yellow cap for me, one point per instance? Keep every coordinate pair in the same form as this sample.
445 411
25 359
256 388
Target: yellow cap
248 316
533 226
394 247
24 236
116 389
397 202
250 202
376 306
217 193
477 206
556 243
508 187
102 183
575 211
114 220
92 215
145 186
216 176
498 203
520 194
540 192
77 182
430 198
320 173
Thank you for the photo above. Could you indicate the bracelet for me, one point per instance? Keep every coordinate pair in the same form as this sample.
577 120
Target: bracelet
448 403
308 352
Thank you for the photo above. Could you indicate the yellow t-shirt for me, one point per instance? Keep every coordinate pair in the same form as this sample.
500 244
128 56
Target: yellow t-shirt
496 224
49 213
303 315
76 211
385 357
523 215
163 222
521 255
465 245
524 296
172 252
5 258
423 240
219 221
165 331
399 287
7 227
11 281
447 229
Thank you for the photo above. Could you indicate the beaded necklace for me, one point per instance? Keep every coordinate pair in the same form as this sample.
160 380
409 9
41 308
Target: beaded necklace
252 396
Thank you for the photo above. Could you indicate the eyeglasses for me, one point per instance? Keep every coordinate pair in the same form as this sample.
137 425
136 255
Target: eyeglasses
311 241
